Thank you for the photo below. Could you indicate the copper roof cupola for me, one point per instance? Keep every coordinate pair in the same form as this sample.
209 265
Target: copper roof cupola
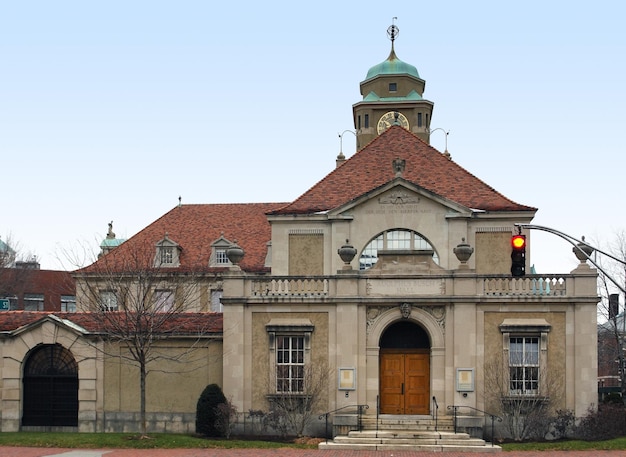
392 89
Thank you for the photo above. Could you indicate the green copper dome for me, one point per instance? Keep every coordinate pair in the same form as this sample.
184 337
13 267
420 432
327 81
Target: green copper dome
392 66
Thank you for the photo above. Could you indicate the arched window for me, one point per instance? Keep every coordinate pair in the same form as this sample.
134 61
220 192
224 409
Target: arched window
394 239
50 387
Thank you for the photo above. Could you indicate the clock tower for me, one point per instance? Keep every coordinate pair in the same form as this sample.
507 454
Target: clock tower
392 94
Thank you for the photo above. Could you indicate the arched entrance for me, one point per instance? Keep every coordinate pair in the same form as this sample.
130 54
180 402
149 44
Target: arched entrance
404 369
50 387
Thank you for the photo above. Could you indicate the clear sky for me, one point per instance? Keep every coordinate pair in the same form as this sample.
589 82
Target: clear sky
109 111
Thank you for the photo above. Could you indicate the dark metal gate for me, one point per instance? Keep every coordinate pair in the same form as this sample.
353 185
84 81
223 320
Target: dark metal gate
50 387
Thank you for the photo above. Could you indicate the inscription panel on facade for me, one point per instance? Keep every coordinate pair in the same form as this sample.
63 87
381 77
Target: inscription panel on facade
404 287
398 209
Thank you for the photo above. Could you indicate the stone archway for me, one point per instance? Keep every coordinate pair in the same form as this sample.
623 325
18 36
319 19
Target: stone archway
404 369
429 318
50 387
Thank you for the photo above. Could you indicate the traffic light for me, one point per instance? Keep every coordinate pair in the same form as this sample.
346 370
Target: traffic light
518 255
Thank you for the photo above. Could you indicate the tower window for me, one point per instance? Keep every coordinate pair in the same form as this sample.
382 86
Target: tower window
367 121
393 87
419 119
358 120
427 122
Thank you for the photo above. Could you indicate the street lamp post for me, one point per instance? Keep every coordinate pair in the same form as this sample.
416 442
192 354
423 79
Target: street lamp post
430 131
580 249
583 251
341 156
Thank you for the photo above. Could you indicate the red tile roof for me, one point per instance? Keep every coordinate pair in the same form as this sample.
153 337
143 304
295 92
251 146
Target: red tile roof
177 323
194 228
371 167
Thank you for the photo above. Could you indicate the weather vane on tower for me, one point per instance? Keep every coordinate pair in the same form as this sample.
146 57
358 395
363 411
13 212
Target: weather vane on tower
393 31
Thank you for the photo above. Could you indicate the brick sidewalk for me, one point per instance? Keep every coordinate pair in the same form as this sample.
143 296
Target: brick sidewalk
49 452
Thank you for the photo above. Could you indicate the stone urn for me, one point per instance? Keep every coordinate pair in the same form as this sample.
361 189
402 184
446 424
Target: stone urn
582 251
235 253
463 252
347 253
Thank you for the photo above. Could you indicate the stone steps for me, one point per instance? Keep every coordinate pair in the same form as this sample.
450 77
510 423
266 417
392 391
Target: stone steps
409 433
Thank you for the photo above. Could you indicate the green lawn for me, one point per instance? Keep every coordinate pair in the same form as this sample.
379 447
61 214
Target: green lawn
616 444
128 440
171 441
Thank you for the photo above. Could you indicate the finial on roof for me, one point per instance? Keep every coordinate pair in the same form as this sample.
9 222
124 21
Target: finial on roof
110 233
180 201
393 31
399 166
396 115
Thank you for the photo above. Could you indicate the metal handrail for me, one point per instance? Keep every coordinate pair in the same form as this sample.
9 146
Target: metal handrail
377 412
493 417
359 408
435 411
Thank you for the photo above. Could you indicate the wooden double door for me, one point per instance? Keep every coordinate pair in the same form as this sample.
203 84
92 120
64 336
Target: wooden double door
404 381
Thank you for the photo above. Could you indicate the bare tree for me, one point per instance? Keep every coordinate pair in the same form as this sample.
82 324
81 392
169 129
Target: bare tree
138 303
298 409
8 254
525 414
612 330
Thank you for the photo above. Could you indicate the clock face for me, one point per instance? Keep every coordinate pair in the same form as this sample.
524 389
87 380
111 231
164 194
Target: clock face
389 119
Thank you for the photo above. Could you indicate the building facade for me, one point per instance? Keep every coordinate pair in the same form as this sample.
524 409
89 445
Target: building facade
25 286
386 284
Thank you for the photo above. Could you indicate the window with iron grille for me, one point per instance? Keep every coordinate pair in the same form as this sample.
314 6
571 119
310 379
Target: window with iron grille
108 300
290 364
524 365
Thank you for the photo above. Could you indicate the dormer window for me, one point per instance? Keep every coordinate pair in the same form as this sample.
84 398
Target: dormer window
167 253
393 87
220 257
218 252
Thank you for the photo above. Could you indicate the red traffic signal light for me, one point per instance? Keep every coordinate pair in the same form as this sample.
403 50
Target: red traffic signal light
518 255
518 241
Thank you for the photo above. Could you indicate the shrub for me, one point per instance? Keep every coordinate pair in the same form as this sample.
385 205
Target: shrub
607 422
206 410
614 397
225 418
564 424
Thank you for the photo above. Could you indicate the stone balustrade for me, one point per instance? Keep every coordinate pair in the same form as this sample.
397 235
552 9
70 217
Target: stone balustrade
481 285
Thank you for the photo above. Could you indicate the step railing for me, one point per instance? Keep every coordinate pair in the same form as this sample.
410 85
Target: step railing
435 410
493 417
359 409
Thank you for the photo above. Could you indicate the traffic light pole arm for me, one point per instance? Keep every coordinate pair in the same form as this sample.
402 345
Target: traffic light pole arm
573 241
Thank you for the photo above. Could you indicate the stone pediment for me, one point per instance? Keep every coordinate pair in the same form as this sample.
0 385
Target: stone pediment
400 196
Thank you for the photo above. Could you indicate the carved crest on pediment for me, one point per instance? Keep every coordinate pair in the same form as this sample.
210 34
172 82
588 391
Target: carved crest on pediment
398 198
437 312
